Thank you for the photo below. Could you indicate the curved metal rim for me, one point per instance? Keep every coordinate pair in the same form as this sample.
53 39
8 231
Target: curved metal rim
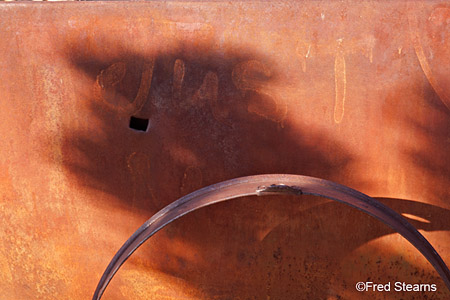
277 184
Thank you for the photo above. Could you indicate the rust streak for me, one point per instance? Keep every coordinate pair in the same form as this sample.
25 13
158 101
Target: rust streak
178 77
340 86
144 88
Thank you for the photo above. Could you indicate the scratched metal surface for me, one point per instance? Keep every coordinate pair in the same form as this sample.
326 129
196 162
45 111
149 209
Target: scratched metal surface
357 94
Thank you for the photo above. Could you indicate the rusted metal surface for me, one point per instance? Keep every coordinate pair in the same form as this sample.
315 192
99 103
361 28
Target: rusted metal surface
357 94
261 185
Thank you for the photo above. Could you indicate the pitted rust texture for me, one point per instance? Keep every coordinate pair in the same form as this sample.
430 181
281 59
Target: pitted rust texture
357 94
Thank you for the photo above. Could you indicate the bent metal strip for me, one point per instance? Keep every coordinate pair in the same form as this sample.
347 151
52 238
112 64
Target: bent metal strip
280 184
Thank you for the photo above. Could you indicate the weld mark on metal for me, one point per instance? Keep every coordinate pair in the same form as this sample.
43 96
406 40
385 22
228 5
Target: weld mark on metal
279 188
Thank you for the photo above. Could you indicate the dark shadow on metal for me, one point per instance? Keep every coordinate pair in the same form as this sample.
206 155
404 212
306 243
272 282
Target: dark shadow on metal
279 184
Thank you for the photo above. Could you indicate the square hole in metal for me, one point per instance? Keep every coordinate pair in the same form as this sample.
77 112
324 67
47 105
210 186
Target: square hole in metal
138 124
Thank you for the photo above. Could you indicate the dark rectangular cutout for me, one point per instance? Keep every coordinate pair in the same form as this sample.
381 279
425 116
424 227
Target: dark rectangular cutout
138 124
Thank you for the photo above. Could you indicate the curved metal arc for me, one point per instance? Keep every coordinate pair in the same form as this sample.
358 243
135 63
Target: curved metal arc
272 184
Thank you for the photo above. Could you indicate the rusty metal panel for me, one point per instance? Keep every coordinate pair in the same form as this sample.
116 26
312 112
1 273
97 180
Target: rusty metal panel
110 111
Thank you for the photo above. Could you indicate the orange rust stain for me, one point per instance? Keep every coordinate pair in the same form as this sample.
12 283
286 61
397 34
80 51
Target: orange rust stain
251 77
43 210
145 283
109 78
208 91
144 87
182 155
340 79
178 77
112 75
